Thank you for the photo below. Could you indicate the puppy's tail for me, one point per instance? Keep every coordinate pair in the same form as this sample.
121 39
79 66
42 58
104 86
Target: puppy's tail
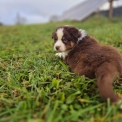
105 76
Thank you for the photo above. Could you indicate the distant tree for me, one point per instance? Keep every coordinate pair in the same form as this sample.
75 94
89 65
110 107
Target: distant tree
53 18
1 24
20 20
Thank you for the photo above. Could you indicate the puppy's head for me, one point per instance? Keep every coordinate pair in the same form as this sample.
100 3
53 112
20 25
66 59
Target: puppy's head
65 38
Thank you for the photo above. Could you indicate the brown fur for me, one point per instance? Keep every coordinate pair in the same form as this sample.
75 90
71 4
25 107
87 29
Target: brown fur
94 60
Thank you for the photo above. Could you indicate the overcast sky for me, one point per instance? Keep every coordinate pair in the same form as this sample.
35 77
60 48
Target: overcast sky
35 11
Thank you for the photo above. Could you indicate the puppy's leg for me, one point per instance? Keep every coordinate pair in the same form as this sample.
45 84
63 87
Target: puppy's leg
62 55
105 77
105 87
59 55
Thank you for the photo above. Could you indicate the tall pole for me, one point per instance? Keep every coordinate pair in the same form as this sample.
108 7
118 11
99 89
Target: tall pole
110 9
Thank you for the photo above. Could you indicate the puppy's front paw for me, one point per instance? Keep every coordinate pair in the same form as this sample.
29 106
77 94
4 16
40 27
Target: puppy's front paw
58 55
120 103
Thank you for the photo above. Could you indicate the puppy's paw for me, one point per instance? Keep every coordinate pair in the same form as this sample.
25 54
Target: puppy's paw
58 55
120 104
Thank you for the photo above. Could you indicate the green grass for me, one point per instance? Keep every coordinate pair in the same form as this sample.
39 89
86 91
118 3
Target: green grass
35 86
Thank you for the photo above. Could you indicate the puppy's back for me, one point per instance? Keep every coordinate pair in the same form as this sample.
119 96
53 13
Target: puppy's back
91 54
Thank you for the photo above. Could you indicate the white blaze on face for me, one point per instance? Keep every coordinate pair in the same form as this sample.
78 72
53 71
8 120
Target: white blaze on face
59 43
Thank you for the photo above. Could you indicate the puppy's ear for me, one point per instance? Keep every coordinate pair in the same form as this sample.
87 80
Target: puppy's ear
53 34
74 32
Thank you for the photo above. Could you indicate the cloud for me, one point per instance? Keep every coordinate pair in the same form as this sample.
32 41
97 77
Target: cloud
34 18
33 10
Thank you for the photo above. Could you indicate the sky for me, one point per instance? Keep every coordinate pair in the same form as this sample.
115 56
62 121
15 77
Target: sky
33 11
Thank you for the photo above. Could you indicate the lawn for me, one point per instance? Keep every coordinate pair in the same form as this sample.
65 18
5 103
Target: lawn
36 86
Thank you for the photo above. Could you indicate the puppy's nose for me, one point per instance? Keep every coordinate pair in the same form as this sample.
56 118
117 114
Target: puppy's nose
57 47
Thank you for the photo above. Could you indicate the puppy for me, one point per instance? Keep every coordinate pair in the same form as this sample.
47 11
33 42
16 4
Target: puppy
85 56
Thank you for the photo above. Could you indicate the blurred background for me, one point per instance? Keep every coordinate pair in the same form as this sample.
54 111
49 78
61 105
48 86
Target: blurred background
40 11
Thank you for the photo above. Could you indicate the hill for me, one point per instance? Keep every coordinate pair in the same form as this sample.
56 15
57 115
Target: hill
35 86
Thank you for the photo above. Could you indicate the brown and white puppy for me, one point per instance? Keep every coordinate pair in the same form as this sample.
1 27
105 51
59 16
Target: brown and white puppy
85 56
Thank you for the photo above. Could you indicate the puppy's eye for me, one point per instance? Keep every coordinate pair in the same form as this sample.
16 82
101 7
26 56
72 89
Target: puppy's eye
55 40
65 41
